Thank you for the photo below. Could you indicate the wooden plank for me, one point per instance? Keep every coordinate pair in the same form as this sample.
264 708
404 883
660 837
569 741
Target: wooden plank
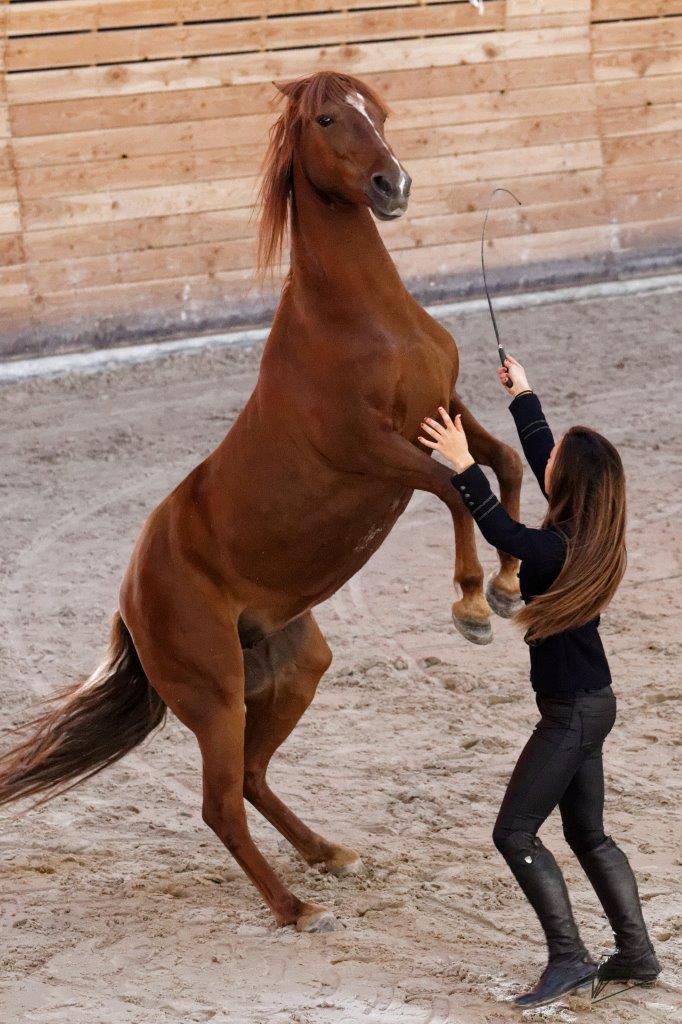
624 179
9 217
655 234
13 282
137 44
639 92
106 207
515 251
432 84
126 204
617 10
652 205
126 268
626 121
633 35
143 233
637 63
11 250
525 14
359 59
638 149
7 178
36 18
118 159
174 294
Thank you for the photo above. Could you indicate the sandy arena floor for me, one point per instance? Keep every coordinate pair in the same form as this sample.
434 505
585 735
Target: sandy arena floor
119 907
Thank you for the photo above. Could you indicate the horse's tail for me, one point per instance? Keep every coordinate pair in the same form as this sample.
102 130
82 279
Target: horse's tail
85 728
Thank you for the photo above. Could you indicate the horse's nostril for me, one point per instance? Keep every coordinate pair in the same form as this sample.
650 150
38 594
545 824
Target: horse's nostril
382 185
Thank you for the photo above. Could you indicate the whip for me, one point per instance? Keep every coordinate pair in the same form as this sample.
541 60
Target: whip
500 351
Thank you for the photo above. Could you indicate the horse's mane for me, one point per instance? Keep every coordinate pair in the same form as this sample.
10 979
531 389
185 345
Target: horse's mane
304 97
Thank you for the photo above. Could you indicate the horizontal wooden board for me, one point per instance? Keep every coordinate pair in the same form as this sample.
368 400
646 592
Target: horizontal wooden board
623 178
169 294
633 35
616 66
72 49
638 149
664 117
11 250
10 220
660 89
617 10
654 234
427 84
357 59
525 14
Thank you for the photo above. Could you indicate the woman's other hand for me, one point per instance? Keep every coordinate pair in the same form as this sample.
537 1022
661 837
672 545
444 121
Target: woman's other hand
514 372
449 439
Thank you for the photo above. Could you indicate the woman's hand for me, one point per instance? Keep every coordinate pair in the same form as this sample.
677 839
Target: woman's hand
450 440
514 372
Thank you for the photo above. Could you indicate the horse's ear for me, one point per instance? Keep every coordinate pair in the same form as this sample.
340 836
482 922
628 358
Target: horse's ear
286 88
292 90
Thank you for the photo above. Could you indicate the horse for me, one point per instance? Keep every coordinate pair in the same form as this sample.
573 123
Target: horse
215 618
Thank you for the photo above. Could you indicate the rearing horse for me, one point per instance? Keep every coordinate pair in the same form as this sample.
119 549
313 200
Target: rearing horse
215 616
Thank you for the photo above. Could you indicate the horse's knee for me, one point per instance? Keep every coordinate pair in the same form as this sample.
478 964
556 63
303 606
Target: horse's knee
315 658
254 784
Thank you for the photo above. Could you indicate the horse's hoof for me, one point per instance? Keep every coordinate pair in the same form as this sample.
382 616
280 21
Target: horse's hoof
344 863
476 631
314 918
504 605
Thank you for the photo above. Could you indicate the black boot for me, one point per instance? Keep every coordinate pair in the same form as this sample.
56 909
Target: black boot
611 876
570 965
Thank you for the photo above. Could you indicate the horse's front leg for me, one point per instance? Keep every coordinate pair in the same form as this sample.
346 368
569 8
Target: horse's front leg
471 613
502 591
384 453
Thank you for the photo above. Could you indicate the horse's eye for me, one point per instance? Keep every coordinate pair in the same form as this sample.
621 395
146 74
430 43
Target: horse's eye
324 120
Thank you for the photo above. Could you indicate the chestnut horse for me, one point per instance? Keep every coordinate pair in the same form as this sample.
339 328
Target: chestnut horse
216 618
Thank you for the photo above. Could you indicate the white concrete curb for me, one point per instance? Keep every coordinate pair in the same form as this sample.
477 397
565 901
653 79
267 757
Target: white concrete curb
104 359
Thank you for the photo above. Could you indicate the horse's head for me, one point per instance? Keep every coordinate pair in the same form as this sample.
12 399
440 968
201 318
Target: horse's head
333 125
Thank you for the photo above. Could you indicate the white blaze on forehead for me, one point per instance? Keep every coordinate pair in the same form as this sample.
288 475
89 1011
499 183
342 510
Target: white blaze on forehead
358 101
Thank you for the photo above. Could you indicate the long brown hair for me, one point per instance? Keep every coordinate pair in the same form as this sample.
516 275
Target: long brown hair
304 98
587 506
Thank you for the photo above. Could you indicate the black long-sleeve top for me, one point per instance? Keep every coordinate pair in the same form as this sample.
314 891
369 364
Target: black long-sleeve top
564 662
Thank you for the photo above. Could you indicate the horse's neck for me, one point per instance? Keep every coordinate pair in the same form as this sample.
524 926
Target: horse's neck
337 255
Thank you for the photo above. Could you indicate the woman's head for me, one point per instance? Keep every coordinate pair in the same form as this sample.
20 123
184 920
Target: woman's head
585 484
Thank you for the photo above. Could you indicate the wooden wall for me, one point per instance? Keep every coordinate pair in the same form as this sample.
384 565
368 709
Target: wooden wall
132 133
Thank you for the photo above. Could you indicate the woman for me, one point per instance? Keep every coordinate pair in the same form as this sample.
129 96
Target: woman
570 570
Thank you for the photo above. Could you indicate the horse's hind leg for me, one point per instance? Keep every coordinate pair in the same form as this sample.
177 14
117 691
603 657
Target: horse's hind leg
503 589
204 687
282 673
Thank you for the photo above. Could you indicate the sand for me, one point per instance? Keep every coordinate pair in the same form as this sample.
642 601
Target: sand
119 907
